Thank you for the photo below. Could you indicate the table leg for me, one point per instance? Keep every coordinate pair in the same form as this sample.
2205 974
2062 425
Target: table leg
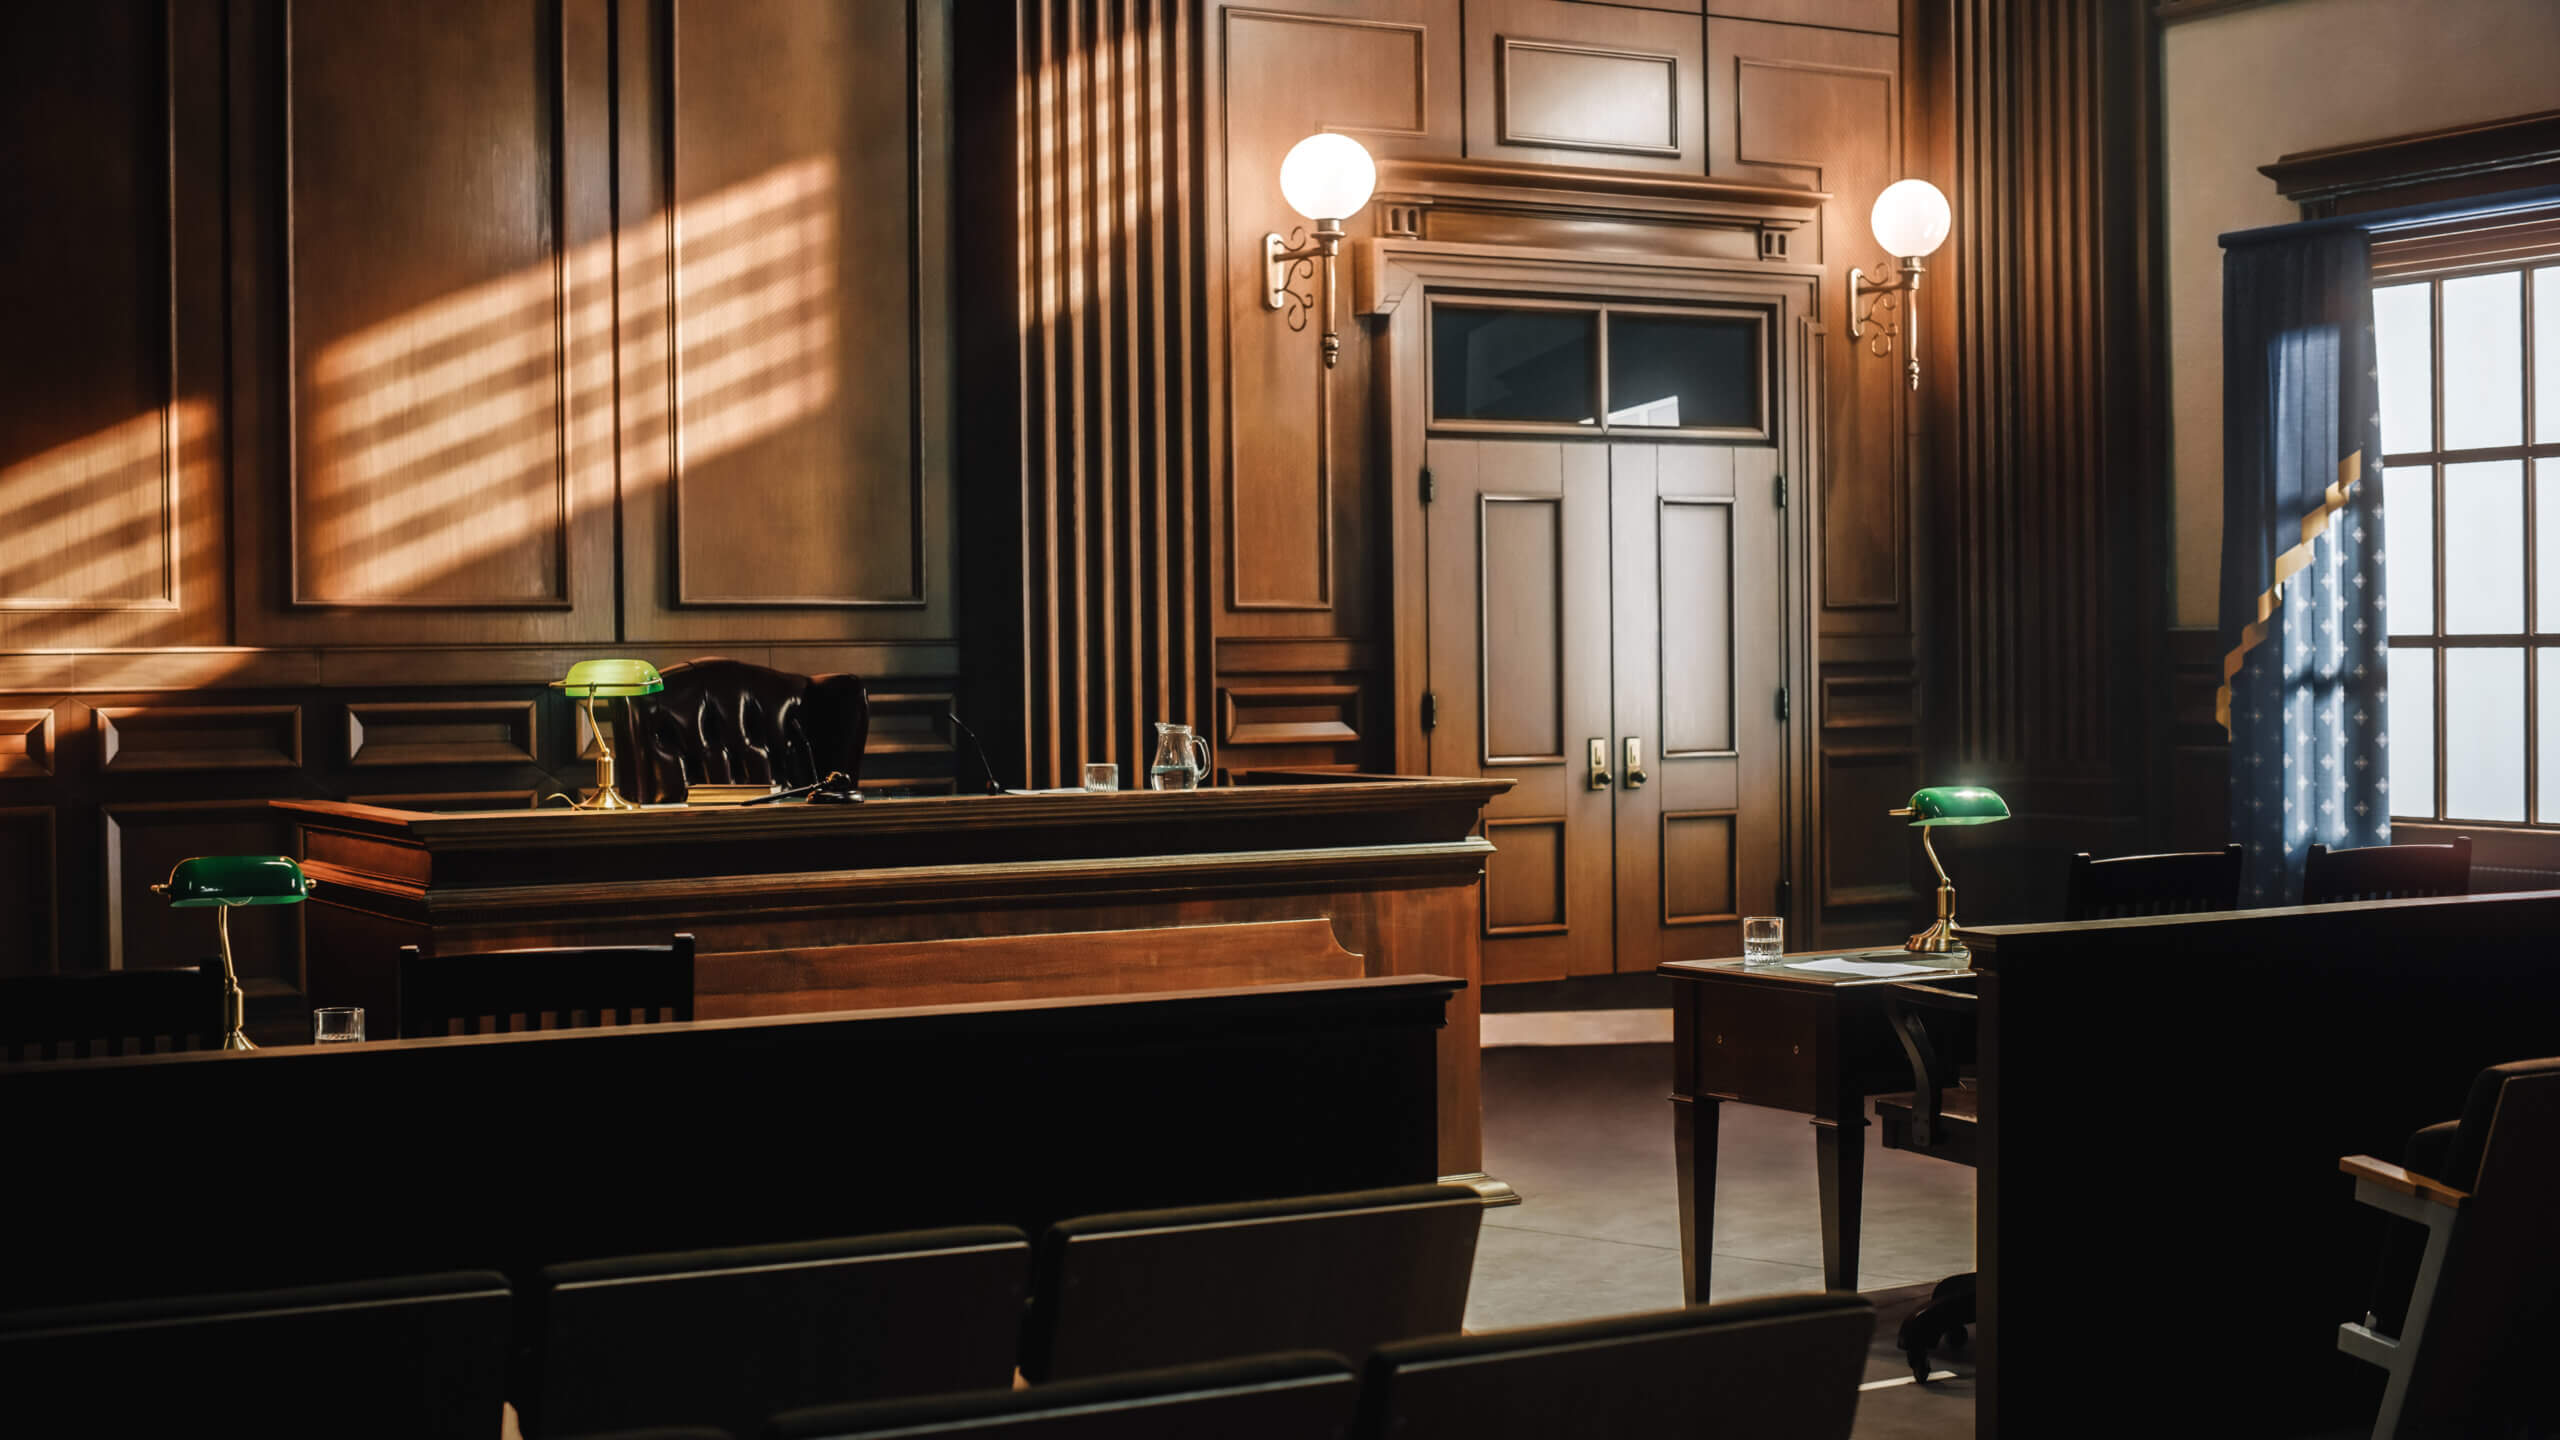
1840 1153
1693 1136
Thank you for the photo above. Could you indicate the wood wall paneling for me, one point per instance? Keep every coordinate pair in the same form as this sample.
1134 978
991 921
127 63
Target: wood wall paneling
146 839
1883 17
1086 465
199 737
1559 83
441 732
26 744
2050 657
1298 489
111 486
422 334
29 862
785 308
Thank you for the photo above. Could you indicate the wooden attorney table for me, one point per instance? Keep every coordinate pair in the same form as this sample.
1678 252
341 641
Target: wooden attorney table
937 900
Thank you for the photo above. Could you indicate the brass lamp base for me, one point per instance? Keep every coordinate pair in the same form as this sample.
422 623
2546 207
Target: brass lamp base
606 797
235 1002
1940 937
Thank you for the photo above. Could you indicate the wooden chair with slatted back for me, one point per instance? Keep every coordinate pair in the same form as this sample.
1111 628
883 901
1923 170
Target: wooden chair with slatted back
502 991
113 1012
2184 883
2386 872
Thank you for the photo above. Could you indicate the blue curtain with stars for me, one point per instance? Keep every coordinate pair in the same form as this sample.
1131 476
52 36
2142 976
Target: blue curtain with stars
2303 641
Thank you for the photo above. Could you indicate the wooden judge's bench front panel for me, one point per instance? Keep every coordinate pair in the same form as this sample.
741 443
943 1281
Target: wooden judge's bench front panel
932 901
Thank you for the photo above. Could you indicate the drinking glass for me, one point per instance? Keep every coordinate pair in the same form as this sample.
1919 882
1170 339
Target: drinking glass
1764 939
1102 776
337 1025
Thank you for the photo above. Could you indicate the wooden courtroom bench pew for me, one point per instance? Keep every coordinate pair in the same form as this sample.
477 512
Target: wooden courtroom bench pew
203 1171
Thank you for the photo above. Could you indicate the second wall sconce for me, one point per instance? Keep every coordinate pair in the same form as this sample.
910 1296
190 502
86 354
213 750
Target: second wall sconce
1911 221
1327 179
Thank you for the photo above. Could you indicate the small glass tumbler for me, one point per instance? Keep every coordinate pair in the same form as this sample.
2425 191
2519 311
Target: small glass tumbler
1103 776
337 1025
1764 940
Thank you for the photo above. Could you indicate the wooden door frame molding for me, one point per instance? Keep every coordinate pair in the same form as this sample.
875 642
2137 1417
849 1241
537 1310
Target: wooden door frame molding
1389 273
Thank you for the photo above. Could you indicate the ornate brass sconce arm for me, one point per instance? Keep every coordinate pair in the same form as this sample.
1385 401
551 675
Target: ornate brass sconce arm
1286 262
1868 296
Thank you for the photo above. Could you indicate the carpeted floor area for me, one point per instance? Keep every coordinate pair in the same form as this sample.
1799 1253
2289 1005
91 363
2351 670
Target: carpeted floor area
1584 1133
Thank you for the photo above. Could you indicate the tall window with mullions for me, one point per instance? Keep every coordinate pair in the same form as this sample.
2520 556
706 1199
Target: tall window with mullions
2468 343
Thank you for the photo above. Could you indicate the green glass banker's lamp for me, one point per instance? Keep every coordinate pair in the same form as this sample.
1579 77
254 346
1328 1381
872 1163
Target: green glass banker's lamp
226 881
590 679
1947 805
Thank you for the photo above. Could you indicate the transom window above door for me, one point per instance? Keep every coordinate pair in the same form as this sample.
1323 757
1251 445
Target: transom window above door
1563 367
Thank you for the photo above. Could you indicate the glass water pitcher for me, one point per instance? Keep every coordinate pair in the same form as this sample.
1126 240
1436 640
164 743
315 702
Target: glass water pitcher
1182 758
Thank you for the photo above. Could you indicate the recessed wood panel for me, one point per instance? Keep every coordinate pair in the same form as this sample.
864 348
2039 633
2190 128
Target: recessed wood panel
1881 16
452 800
429 310
793 282
28 937
440 732
107 489
1376 72
26 743
1521 634
1583 97
1524 880
905 722
146 841
199 737
1295 475
1289 714
1558 83
1866 864
1695 563
1809 105
88 500
1698 872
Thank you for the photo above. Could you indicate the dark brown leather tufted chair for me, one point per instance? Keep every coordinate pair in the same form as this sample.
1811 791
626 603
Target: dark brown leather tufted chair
726 722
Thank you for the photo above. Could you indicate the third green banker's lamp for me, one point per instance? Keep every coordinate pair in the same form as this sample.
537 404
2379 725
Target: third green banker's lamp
226 881
1947 805
590 679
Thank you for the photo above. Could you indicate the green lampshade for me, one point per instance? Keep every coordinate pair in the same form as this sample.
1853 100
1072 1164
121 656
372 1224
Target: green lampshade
1955 805
611 677
236 880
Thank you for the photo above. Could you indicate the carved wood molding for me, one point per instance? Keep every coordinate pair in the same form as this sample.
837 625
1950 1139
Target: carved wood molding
1413 193
440 732
424 667
26 744
200 737
2484 158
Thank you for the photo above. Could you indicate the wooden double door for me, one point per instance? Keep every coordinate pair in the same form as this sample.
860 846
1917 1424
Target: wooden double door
1606 629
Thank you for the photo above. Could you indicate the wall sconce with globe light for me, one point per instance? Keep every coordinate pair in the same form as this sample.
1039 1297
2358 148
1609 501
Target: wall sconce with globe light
1328 179
1910 221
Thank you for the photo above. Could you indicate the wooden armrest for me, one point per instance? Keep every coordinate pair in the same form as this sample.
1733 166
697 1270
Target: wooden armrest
2404 1180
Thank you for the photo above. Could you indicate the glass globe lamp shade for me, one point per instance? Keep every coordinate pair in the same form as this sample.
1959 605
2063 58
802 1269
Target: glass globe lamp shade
1328 177
1910 219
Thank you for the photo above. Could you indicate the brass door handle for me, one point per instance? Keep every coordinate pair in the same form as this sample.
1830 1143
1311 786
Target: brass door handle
1635 764
1600 778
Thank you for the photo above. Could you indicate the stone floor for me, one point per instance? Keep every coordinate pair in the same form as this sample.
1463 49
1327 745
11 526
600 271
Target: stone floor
1583 1132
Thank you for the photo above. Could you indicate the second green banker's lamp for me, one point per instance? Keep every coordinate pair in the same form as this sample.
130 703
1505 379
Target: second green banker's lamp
1947 805
590 679
226 881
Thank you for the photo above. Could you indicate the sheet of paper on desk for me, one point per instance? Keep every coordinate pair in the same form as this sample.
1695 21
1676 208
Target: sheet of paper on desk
1865 969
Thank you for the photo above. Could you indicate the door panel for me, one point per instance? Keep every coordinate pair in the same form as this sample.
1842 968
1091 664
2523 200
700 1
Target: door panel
1518 546
1698 656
